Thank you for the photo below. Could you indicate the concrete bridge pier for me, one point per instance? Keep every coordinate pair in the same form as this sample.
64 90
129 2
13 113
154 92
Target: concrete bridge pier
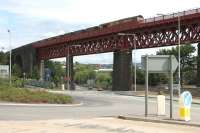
41 70
122 71
70 72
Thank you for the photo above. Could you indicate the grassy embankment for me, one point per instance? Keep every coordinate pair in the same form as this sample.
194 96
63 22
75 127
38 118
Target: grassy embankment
23 95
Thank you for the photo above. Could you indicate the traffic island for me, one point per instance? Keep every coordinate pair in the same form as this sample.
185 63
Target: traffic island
21 95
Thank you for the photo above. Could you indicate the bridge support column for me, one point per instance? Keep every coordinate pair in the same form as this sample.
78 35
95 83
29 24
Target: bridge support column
70 73
122 71
198 64
41 70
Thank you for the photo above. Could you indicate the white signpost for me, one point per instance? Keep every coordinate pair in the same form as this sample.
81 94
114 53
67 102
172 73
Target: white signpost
159 64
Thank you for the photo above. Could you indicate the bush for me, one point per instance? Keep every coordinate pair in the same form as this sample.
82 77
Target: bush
104 80
57 72
35 74
16 82
84 73
16 70
4 81
41 84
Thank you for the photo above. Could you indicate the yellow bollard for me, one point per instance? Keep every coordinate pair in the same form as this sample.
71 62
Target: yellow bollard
185 102
185 113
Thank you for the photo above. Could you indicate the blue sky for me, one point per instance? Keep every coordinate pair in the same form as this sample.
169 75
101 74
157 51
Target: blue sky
32 20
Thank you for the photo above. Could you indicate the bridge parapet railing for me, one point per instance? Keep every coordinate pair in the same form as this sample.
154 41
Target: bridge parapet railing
171 16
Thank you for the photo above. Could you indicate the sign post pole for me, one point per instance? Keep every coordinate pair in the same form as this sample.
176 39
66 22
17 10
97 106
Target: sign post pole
159 64
171 88
146 84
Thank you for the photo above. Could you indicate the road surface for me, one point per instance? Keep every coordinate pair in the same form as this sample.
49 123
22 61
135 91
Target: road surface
93 125
94 115
95 104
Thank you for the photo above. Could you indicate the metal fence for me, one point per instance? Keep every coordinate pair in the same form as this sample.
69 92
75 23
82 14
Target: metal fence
171 16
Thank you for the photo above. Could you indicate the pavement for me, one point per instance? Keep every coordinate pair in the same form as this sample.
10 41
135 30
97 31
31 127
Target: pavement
132 93
93 125
160 119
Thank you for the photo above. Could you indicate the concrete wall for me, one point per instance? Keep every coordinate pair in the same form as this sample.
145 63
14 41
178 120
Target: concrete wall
122 71
71 73
25 57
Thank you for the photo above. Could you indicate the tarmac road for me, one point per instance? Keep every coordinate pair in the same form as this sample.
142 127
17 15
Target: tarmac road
94 104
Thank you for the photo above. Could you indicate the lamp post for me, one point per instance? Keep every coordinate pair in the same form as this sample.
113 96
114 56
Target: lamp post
10 75
179 56
68 69
134 44
179 52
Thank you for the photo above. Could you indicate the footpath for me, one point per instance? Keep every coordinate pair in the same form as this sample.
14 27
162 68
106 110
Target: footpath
132 93
159 119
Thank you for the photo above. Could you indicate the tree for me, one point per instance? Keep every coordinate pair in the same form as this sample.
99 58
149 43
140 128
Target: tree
104 80
140 76
35 73
16 70
154 78
3 58
83 73
187 59
57 71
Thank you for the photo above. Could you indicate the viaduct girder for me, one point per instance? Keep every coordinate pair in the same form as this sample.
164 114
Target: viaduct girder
154 32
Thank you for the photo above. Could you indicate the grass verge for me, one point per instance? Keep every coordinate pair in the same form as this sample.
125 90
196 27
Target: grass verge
21 95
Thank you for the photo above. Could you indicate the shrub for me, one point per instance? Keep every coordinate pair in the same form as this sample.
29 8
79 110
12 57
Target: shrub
104 80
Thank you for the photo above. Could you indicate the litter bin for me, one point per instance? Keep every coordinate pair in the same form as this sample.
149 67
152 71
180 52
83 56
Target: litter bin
160 105
185 102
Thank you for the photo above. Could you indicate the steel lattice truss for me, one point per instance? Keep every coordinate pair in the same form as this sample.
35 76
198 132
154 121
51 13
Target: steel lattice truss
148 33
190 33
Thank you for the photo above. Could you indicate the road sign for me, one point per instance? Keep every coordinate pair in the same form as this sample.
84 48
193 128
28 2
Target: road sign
159 63
187 98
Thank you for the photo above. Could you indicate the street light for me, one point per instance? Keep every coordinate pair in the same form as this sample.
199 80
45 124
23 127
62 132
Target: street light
179 56
179 52
129 34
68 68
9 33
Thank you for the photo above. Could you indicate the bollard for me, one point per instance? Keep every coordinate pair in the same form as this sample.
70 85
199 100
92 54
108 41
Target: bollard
160 105
63 87
185 102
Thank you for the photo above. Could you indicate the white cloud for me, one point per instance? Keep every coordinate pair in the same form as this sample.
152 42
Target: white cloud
51 34
47 18
94 11
105 58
